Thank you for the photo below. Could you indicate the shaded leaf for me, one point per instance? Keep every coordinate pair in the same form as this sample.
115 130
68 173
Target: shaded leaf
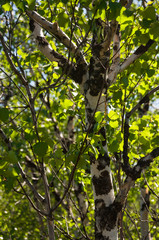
149 13
12 157
40 148
4 114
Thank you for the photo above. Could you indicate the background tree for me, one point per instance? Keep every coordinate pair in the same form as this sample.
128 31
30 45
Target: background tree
72 119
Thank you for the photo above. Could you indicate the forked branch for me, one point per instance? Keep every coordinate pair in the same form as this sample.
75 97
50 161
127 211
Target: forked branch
56 31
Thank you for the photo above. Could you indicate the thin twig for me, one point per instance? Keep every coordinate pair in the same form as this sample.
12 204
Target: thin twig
31 202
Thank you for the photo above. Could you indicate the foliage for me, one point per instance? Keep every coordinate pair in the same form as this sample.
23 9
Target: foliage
34 118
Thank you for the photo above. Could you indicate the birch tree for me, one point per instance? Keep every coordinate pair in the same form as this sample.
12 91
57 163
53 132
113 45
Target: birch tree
75 77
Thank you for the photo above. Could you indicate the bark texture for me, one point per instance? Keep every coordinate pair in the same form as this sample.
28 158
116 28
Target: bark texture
94 79
144 212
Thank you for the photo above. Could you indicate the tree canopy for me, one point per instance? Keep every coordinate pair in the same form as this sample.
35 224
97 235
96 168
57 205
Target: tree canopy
83 92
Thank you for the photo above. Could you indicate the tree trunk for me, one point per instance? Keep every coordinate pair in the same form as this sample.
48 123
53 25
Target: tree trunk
145 201
50 225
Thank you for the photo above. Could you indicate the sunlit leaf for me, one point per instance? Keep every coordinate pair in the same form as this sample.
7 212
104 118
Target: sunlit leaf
114 124
7 7
99 116
67 103
113 115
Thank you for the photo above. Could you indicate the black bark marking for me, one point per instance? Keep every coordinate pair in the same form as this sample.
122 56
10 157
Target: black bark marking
102 132
118 29
97 70
64 38
143 110
99 236
102 184
96 50
96 84
155 152
62 59
145 205
143 163
115 48
142 49
145 99
91 67
103 161
42 41
79 73
92 158
125 148
86 86
31 24
102 164
106 217
89 117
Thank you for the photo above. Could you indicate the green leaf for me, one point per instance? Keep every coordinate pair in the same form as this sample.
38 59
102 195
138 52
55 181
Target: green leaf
31 4
28 136
114 146
67 103
114 124
2 164
125 81
115 9
102 5
11 157
85 3
117 95
20 4
40 148
4 114
149 13
9 183
94 150
127 30
63 19
99 116
64 1
144 38
7 7
58 157
128 13
154 30
70 158
113 115
150 72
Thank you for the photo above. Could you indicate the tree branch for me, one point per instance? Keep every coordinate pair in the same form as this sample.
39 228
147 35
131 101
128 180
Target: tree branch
20 76
126 126
32 204
120 68
6 50
54 29
133 175
36 194
5 139
8 143
143 100
76 73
